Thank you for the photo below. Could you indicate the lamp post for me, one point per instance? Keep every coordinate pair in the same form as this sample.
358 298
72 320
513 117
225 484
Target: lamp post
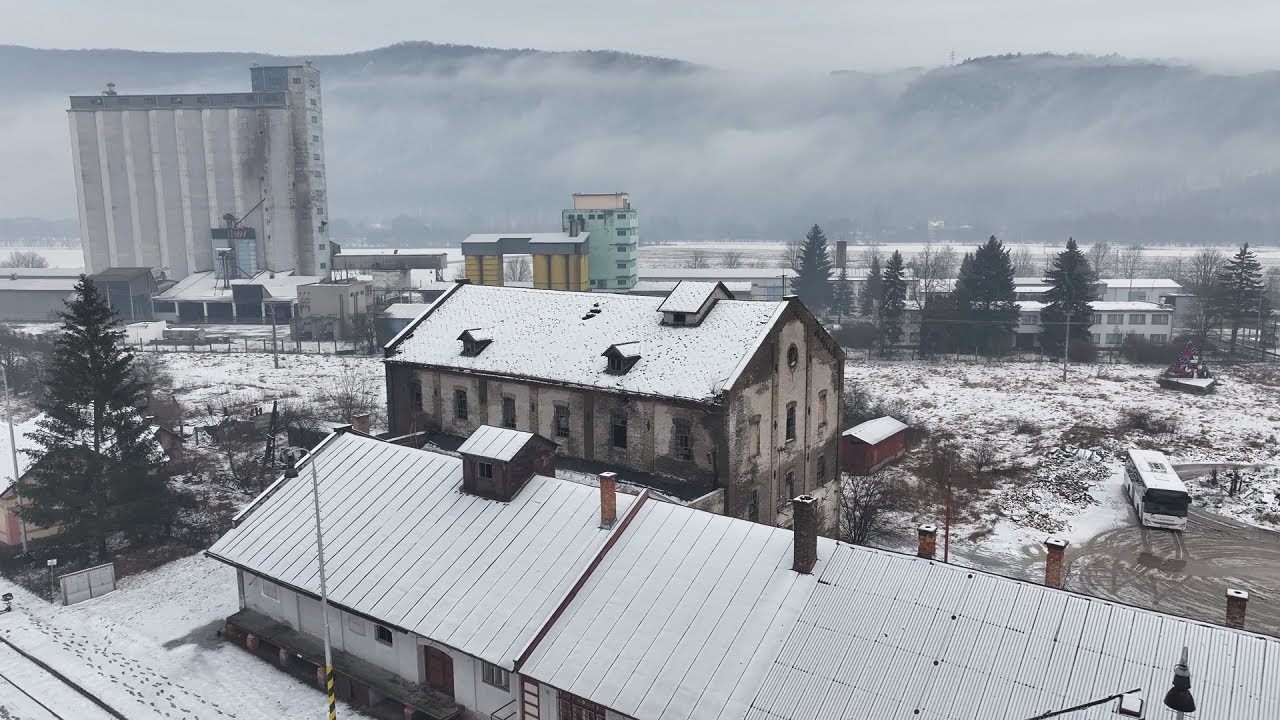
52 563
13 455
1179 697
292 472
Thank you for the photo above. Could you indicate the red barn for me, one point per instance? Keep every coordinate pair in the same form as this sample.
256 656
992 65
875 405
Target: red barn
865 447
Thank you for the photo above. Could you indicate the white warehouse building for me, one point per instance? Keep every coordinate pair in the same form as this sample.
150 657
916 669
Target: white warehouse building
156 173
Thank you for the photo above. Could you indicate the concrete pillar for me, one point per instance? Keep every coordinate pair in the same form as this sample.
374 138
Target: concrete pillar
282 657
1053 563
251 642
928 541
1237 602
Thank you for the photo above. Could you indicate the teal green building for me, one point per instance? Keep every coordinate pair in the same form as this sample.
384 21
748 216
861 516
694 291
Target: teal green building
612 263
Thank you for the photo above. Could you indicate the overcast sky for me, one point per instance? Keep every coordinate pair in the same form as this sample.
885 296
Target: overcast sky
747 34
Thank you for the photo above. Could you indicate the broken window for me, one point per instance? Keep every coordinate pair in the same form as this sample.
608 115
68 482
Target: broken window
560 418
791 421
415 394
509 412
682 436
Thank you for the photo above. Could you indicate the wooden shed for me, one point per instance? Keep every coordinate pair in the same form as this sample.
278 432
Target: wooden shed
869 445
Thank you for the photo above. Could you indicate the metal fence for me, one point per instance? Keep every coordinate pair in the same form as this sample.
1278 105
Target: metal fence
89 583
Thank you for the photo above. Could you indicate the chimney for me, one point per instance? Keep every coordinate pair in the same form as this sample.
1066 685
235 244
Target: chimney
1057 547
804 524
842 253
928 535
362 422
1237 602
608 498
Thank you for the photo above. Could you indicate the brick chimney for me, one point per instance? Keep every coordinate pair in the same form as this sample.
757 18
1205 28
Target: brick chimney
928 541
1237 602
362 422
1056 548
804 524
608 498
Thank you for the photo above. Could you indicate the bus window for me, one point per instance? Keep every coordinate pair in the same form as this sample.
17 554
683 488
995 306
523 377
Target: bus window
1165 502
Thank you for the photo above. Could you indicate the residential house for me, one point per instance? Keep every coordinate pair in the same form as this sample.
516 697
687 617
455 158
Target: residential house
731 405
482 586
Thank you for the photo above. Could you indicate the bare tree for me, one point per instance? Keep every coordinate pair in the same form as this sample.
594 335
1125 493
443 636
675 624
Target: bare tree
731 260
24 259
984 457
1131 262
865 506
518 269
1170 266
924 265
350 393
871 252
947 262
1102 258
760 262
1201 272
698 260
1024 263
791 253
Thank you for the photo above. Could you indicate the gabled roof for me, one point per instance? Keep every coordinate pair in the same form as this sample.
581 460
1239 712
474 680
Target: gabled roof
495 442
877 430
689 296
1142 283
558 336
681 617
405 546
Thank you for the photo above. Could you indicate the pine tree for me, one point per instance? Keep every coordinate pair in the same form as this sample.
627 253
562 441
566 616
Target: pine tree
1239 291
985 295
842 294
893 303
869 301
96 471
1072 289
813 279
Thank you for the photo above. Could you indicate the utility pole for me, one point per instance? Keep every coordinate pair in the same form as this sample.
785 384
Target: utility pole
275 354
292 472
946 532
13 454
1066 339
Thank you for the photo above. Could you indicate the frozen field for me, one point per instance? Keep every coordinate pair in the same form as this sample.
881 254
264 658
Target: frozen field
1058 446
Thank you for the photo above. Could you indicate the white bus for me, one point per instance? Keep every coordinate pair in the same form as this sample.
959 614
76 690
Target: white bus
1156 491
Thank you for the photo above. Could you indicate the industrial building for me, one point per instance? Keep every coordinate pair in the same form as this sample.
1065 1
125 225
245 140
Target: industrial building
157 173
614 227
205 297
35 294
560 260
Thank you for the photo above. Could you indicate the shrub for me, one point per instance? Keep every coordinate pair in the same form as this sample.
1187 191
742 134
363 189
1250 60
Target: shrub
1083 351
1139 349
1026 427
855 334
1145 421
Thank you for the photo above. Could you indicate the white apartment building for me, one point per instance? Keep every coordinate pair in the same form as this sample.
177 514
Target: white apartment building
156 173
1112 322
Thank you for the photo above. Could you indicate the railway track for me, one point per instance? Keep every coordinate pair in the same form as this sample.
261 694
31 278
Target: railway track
30 690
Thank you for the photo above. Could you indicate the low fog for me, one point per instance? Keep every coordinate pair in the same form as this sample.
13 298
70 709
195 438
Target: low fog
1027 146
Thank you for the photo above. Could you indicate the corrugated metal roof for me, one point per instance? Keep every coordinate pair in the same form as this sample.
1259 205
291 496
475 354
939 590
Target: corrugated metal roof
680 618
406 310
404 545
689 296
495 442
877 430
557 336
1129 283
894 636
26 284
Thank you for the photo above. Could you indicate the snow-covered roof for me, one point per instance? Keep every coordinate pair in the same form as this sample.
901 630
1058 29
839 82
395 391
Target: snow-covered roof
741 274
681 617
59 285
25 441
1139 283
885 635
877 430
1036 289
405 546
370 252
690 295
557 336
204 287
1030 305
1126 306
740 289
495 442
406 311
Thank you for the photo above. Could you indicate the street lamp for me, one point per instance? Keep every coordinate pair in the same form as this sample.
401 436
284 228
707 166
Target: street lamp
1179 697
292 472
52 563
13 454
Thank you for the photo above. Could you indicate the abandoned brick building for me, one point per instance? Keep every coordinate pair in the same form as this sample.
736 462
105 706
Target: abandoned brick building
728 405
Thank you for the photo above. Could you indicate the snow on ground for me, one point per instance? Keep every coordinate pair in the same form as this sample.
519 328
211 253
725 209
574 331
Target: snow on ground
149 650
1059 446
217 379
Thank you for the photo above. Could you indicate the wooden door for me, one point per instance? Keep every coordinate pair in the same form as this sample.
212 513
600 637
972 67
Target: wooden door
439 670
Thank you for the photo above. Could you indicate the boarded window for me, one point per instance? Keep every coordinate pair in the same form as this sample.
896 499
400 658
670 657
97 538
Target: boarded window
356 626
270 589
753 511
821 474
415 394
755 435
560 417
509 412
620 431
791 421
459 404
822 408
682 436
573 707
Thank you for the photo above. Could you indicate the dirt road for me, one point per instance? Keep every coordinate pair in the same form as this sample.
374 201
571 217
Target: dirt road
1185 573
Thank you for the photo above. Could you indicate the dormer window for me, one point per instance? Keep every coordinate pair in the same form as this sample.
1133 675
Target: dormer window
622 357
474 341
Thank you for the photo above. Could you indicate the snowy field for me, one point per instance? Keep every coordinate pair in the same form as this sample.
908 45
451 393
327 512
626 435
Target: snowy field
1058 447
149 651
58 257
202 379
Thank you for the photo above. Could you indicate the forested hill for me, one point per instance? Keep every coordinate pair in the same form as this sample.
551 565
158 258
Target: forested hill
1031 146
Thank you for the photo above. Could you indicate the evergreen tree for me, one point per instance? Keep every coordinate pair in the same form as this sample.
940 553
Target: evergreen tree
1239 291
842 299
869 301
1072 289
893 302
97 469
813 279
985 295
941 324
